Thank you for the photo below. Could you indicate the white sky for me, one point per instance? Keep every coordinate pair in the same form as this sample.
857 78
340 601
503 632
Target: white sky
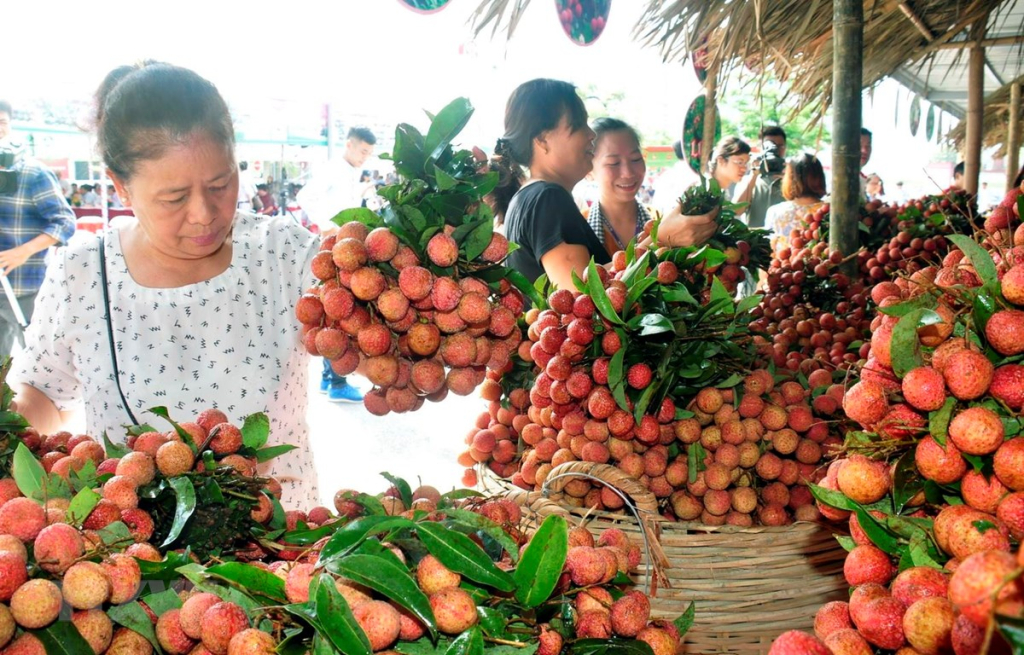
372 57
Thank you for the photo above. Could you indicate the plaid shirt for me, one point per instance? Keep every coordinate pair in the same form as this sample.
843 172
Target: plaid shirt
599 224
36 207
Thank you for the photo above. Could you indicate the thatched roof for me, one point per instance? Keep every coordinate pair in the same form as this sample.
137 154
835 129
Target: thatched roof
995 120
792 39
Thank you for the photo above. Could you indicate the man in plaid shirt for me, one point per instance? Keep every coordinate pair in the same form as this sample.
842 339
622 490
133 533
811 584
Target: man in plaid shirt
33 217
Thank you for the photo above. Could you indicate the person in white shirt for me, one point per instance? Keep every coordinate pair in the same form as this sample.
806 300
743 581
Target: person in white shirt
335 188
246 189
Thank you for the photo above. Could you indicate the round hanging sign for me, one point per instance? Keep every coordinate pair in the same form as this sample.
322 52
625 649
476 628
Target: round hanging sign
424 6
693 132
583 20
929 123
915 115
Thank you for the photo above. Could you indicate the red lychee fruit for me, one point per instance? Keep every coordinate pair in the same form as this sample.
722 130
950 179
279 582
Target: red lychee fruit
639 376
831 617
1008 384
309 310
924 388
977 431
881 622
442 250
629 614
1013 285
381 244
865 402
192 611
972 586
454 610
795 642
56 548
36 604
415 282
23 518
124 575
13 574
86 585
374 340
917 582
942 464
349 254
968 374
496 250
338 303
95 627
868 564
594 625
1008 463
220 623
863 480
170 635
1005 331
928 625
433 576
367 283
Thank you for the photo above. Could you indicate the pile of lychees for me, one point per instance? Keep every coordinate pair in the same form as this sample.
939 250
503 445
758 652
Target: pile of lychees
933 485
414 333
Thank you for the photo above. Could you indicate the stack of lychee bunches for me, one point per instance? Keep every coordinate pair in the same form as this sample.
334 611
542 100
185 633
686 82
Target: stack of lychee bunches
415 333
934 485
739 455
75 525
814 316
79 576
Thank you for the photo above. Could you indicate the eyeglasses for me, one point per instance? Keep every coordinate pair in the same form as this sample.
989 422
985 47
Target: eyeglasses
740 163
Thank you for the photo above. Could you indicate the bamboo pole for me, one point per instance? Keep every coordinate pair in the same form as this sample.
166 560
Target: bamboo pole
707 143
975 107
984 43
1013 136
847 67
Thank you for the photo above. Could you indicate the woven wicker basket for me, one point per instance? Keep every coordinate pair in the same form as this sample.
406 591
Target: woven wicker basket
749 584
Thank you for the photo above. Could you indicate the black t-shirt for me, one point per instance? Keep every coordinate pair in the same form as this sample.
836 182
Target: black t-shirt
541 217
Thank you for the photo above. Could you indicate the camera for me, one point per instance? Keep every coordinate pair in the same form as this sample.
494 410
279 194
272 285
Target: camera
9 156
771 162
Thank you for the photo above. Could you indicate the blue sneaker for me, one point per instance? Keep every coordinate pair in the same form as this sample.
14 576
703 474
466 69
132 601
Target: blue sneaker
325 385
345 393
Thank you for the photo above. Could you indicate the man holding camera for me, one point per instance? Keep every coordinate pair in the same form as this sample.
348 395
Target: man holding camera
34 215
768 187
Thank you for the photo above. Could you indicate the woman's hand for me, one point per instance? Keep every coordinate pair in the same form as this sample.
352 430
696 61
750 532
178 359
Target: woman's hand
678 231
560 262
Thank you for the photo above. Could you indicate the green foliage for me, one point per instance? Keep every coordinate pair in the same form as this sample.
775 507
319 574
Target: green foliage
744 114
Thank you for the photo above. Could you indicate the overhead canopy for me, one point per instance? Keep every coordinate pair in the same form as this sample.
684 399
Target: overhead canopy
920 43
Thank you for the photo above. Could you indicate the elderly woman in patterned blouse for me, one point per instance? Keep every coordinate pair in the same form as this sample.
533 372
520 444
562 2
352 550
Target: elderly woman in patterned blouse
191 304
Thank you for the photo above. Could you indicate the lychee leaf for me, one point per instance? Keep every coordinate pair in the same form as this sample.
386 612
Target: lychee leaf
269 453
595 289
115 450
847 543
132 616
446 126
164 601
81 505
980 258
1012 628
460 554
359 214
390 579
336 620
925 300
348 538
608 647
250 578
538 571
185 436
477 522
518 280
32 479
470 642
422 646
185 505
905 345
938 421
62 637
478 240
255 430
684 621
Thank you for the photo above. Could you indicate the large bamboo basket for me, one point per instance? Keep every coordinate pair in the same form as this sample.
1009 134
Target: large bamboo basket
749 584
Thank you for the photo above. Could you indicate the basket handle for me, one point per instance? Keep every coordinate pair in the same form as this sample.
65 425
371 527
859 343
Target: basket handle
607 474
640 502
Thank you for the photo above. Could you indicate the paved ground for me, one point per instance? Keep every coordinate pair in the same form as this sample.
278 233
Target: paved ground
352 446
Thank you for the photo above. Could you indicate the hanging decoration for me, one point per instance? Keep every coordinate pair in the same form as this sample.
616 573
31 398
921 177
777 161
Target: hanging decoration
693 131
929 123
915 115
424 6
583 20
699 60
938 130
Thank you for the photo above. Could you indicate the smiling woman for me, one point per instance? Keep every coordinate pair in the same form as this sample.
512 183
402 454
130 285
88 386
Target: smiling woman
190 305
